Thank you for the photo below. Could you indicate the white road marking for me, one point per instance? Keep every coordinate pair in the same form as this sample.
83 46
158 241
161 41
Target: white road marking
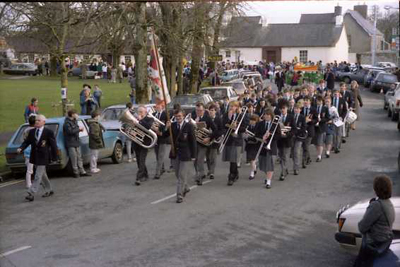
11 183
174 195
13 251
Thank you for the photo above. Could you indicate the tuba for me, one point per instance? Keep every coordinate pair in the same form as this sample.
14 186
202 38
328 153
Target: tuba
156 122
132 129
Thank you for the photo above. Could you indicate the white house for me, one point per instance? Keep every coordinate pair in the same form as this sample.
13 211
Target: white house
249 39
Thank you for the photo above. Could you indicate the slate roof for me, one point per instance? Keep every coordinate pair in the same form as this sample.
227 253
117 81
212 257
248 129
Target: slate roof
364 23
317 18
285 35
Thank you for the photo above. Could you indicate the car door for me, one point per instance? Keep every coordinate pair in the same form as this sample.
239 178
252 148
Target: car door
109 138
84 142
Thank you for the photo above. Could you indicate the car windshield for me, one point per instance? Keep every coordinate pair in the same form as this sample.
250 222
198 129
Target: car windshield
238 86
111 114
389 78
215 93
186 100
20 136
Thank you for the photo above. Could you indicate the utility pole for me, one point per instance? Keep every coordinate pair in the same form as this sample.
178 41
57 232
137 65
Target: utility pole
374 37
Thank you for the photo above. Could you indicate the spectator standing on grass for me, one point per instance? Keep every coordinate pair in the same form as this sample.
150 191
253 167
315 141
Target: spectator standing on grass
97 94
104 69
96 141
120 73
109 71
31 109
113 74
99 69
71 131
82 98
47 67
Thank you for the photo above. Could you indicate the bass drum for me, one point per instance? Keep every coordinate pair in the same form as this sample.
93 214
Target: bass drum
351 117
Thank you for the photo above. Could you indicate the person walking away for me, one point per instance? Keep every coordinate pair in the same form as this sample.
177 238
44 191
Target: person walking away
96 141
376 226
43 151
31 109
329 77
358 103
97 94
27 152
71 131
184 151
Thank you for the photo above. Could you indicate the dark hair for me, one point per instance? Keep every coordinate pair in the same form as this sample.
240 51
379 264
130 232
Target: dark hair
307 98
342 84
31 120
72 112
248 105
199 104
95 113
86 85
212 106
33 100
177 106
270 112
320 98
129 105
176 111
383 186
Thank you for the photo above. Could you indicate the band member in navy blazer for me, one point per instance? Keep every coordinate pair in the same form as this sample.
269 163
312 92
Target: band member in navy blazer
309 113
341 106
162 141
300 136
212 150
322 115
43 151
183 151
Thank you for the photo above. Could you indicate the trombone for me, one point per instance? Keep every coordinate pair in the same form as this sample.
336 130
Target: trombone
231 129
274 124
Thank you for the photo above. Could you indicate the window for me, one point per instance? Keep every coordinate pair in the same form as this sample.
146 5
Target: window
228 53
303 56
349 39
84 133
127 59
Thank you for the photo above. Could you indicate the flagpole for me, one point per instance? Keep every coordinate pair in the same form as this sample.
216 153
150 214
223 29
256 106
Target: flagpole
163 91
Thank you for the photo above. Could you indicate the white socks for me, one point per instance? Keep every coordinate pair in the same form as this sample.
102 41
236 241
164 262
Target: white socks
252 173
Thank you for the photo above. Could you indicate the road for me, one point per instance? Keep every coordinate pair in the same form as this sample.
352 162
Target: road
105 220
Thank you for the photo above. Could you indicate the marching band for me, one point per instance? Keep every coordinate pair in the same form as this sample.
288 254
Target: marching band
282 125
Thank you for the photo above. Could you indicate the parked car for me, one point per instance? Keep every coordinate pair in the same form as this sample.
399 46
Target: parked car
113 146
78 72
348 217
355 75
383 81
371 75
21 69
392 97
237 85
219 92
385 65
255 75
391 258
243 72
229 75
188 101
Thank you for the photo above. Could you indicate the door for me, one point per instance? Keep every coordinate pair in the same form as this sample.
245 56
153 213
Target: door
271 56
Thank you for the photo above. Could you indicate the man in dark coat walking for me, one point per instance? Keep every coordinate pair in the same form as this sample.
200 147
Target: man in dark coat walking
330 79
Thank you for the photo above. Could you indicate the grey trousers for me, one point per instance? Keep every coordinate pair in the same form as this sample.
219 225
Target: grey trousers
283 154
160 150
199 162
181 172
297 154
306 149
211 159
128 144
40 178
337 137
76 159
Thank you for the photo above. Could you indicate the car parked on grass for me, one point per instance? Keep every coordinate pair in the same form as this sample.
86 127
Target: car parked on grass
237 85
113 146
188 101
348 217
383 81
392 97
218 93
21 69
77 71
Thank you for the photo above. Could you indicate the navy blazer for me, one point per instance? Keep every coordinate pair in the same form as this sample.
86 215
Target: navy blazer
311 124
235 140
261 129
162 139
185 144
286 141
342 110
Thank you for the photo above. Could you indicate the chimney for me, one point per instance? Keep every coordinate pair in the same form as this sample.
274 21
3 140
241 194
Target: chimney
362 9
338 16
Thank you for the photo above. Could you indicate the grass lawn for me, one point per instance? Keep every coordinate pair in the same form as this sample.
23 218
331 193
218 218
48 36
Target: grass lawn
15 95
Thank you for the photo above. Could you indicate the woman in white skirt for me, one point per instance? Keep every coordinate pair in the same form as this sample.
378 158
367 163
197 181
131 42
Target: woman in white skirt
235 142
264 129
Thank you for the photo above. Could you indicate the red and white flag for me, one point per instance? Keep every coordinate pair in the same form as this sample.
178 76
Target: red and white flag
154 75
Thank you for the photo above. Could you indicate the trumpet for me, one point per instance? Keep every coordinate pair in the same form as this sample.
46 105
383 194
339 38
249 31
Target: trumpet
230 129
132 129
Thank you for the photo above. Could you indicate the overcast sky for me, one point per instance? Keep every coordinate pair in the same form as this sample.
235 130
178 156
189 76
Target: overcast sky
290 11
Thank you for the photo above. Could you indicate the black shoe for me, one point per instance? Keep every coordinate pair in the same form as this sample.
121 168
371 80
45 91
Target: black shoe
156 177
200 181
268 186
179 200
137 182
187 190
343 141
48 194
318 160
211 176
251 177
327 156
296 172
76 175
309 161
86 174
230 182
337 151
287 172
282 177
30 197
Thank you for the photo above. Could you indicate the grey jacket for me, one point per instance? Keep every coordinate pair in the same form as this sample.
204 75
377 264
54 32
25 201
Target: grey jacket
374 225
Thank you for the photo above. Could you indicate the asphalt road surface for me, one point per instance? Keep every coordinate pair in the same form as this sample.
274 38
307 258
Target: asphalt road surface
105 220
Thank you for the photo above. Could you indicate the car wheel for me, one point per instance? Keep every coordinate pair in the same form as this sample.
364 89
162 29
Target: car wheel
389 113
347 80
117 153
395 116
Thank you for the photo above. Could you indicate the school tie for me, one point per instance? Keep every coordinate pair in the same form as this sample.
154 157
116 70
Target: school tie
37 135
179 127
284 119
297 117
158 115
319 110
307 112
